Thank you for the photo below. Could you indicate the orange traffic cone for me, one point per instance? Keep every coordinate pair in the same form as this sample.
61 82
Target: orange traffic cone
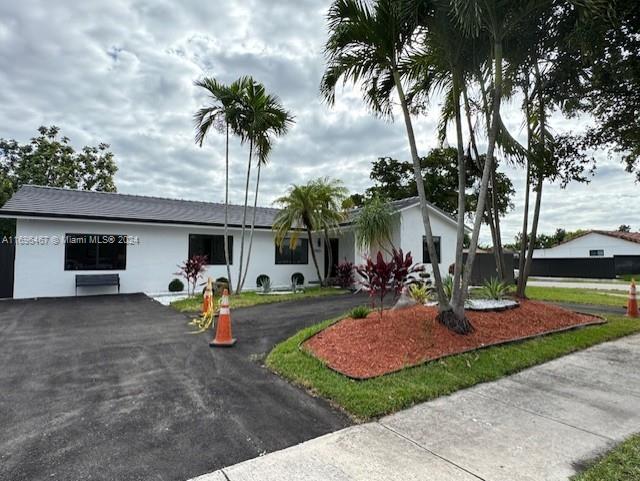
223 327
207 298
632 305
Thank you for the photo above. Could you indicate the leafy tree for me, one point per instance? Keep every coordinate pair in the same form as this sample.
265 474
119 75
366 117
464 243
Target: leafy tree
50 160
394 180
373 225
624 228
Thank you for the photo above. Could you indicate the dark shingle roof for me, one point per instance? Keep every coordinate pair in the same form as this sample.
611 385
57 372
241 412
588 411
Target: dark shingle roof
36 201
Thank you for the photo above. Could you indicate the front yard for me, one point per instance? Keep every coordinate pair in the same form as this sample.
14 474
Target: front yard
250 298
578 296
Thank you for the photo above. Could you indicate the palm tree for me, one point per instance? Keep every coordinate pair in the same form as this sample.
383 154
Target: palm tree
366 46
373 225
331 194
222 114
301 210
263 118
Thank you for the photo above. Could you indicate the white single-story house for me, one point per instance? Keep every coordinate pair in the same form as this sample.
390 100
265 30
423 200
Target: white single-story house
594 243
62 233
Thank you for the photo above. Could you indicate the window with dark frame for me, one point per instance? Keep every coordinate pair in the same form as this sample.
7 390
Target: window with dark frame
426 259
298 255
596 253
95 252
211 246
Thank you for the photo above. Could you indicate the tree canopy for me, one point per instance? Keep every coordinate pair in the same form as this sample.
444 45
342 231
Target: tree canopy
50 160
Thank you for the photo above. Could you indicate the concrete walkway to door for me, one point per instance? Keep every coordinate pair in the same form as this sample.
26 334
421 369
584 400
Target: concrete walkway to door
544 423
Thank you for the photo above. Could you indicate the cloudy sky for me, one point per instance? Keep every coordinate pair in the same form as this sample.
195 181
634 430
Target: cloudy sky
122 72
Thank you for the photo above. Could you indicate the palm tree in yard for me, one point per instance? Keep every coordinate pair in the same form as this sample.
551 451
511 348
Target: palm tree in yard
313 207
222 114
263 118
331 193
367 45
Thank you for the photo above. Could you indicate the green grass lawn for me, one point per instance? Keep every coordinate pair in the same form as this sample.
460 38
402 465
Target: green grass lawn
577 296
620 464
247 298
386 394
628 277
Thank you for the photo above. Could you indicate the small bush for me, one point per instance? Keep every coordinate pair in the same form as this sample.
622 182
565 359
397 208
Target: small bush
344 274
359 312
419 292
297 279
494 289
447 284
264 282
176 285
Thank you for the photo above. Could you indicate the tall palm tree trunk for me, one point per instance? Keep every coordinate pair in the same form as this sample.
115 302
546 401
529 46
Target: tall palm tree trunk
253 225
525 217
486 174
244 218
457 271
226 212
443 302
313 254
493 215
540 177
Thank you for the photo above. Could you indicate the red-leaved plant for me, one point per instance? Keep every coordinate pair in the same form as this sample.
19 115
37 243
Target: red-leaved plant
377 277
192 270
344 274
403 270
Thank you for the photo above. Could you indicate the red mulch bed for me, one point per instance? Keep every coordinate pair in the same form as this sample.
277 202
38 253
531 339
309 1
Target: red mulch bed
365 348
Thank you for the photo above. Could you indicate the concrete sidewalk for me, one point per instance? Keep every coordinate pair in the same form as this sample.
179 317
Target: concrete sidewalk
541 424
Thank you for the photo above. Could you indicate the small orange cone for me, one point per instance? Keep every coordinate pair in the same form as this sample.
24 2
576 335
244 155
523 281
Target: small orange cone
207 298
632 306
223 327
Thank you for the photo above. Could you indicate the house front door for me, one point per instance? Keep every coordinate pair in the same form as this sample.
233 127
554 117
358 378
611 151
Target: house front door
334 258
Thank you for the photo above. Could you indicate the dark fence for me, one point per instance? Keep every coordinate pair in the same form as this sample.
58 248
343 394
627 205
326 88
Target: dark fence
589 267
484 268
7 257
626 264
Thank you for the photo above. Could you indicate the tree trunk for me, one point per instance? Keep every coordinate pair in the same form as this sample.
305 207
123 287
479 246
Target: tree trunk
226 213
244 218
525 218
486 173
492 211
327 244
540 177
443 302
459 258
253 226
313 254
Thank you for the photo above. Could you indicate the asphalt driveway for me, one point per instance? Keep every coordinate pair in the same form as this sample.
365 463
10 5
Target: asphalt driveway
114 388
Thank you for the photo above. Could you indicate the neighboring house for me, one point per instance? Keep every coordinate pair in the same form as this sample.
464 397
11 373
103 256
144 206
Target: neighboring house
594 254
594 243
63 232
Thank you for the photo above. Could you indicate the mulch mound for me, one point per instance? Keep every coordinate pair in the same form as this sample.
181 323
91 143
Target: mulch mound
365 348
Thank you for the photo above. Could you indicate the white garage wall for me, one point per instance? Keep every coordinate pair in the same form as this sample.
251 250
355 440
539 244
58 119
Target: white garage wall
39 269
581 246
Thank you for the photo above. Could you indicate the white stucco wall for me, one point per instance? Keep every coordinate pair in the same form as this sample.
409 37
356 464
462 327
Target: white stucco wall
412 230
581 246
39 269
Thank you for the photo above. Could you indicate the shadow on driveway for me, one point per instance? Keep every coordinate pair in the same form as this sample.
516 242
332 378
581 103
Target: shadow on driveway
113 387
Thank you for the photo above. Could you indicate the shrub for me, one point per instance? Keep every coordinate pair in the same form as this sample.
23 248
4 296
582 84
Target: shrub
403 270
344 274
419 292
297 279
264 282
377 277
176 285
494 289
220 285
359 312
192 270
